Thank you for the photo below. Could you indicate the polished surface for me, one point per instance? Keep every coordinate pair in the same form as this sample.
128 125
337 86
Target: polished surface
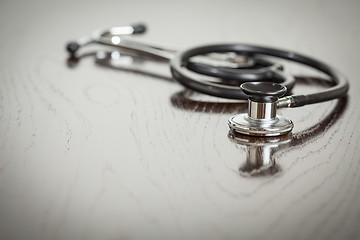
264 111
116 149
244 124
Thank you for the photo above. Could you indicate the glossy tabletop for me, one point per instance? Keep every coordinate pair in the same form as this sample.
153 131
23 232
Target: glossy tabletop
90 150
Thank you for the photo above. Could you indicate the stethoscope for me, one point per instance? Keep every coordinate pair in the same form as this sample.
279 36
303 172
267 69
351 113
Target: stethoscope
263 82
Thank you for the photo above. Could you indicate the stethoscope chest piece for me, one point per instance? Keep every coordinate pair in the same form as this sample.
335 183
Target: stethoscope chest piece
261 119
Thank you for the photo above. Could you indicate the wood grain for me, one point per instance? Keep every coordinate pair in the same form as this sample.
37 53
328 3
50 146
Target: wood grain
90 151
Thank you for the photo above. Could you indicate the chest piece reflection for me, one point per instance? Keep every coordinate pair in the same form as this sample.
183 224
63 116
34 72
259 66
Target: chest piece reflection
260 160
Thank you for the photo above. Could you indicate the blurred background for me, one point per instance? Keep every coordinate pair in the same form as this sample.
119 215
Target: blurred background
72 167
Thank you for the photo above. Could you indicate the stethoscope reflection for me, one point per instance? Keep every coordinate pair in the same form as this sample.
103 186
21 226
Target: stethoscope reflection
260 159
112 59
131 61
261 152
186 99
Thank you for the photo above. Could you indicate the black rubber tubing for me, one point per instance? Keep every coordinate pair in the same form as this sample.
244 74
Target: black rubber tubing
186 77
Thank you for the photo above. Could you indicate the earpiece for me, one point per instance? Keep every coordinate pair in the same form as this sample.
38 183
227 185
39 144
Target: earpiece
72 47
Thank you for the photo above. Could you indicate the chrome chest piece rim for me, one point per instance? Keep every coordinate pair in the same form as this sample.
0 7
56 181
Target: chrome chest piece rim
243 124
261 119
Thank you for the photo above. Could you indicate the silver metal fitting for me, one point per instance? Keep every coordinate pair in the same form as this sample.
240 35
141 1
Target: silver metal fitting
261 119
264 111
285 102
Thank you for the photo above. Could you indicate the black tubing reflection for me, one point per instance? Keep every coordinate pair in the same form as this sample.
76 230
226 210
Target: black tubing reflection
260 151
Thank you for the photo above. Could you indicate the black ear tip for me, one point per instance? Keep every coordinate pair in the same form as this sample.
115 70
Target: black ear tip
139 28
72 47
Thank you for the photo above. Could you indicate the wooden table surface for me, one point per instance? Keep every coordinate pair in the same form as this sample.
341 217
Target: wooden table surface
93 152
